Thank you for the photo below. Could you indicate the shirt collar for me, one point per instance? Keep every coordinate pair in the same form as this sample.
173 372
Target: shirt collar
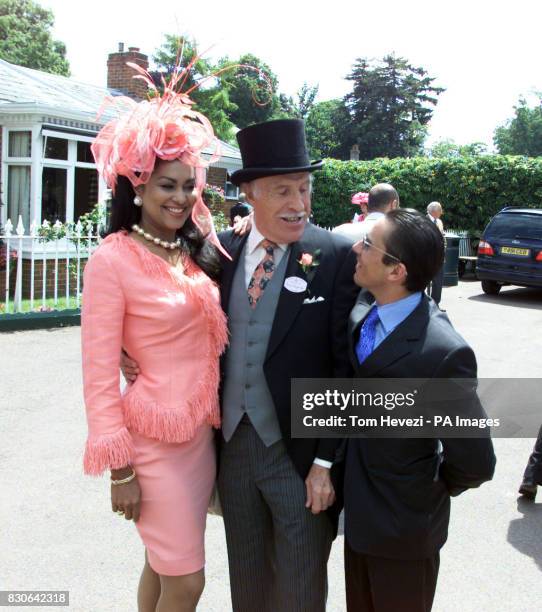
391 315
255 238
374 215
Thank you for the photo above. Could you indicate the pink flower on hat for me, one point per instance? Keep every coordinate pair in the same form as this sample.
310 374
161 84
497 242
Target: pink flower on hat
175 142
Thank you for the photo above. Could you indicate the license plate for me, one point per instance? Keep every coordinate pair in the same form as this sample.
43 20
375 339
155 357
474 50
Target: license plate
514 251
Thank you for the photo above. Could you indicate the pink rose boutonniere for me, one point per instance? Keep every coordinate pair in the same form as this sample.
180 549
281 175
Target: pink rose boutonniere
306 260
309 262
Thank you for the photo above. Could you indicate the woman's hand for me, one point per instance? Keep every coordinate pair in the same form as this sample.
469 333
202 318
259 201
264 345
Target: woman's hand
244 224
126 498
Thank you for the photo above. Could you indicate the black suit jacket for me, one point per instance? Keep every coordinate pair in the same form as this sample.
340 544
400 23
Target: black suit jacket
397 491
307 340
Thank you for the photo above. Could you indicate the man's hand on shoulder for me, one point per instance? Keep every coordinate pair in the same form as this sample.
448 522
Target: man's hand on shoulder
129 367
243 225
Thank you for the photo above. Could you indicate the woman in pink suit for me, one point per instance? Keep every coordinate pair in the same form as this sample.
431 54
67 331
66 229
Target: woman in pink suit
150 288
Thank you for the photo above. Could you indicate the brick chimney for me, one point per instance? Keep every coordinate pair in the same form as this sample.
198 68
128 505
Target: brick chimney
119 75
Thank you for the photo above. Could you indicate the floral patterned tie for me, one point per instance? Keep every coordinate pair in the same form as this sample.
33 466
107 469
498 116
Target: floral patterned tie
262 273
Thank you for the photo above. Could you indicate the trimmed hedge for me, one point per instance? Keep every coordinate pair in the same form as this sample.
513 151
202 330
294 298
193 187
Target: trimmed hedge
39 320
470 189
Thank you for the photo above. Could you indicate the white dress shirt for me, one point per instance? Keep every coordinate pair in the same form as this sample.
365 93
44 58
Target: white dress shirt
359 231
255 252
437 222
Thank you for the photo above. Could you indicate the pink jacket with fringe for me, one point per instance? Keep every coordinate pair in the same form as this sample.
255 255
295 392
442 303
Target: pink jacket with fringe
172 325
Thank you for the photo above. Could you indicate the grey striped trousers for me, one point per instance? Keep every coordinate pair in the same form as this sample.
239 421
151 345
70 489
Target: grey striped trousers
277 549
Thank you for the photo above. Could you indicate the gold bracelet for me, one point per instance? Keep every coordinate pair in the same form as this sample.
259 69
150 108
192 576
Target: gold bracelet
124 480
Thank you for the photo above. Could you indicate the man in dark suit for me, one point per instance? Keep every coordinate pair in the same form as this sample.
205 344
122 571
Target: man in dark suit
397 491
287 293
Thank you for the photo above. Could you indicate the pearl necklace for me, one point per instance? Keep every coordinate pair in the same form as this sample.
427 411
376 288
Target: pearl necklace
163 243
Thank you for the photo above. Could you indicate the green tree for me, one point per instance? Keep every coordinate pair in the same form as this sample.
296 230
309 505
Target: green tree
300 107
449 148
253 94
327 128
210 98
521 135
390 106
25 37
306 97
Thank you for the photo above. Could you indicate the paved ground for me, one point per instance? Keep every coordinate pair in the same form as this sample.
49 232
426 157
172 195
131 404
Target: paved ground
56 531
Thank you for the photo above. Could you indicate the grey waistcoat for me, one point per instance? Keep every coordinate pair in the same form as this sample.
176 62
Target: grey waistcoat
245 387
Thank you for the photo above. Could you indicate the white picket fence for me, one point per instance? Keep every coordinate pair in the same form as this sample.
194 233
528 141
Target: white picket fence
20 249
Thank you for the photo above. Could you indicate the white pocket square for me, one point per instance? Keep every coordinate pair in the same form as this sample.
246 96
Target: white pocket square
313 300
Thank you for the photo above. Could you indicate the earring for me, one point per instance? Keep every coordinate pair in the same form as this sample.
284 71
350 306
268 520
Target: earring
138 201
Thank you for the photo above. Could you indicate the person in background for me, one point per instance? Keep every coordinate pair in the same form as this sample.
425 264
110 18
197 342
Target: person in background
532 477
361 199
382 198
239 210
434 213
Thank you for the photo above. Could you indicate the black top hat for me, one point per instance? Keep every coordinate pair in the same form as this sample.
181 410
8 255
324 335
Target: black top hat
273 147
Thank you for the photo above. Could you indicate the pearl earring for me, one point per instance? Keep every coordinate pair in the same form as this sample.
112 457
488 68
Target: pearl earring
138 201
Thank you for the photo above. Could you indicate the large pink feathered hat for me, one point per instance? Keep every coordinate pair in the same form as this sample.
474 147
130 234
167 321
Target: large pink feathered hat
165 127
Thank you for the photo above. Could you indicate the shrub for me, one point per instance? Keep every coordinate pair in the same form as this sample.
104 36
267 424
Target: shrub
213 196
471 189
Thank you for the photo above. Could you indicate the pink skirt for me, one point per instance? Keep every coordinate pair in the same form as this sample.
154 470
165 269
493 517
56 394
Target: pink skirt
176 482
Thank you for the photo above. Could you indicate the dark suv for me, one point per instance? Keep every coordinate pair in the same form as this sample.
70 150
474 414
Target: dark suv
510 251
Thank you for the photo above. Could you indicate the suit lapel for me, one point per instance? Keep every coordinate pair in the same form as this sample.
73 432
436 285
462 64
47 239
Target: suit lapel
359 312
234 246
393 348
290 303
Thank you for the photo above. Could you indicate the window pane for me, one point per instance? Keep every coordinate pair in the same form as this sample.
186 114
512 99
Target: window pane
56 148
84 154
19 144
232 191
86 191
53 194
19 194
516 225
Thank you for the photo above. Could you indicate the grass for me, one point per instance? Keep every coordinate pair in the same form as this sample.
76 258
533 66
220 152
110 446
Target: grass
62 304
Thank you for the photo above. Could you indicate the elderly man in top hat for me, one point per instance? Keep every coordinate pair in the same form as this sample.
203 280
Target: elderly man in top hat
287 292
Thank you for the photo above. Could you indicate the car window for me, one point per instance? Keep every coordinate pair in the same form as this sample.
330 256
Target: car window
515 226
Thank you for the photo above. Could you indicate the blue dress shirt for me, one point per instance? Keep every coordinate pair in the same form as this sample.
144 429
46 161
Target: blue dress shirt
393 314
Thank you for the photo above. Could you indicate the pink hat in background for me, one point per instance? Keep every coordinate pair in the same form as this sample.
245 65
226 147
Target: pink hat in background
361 197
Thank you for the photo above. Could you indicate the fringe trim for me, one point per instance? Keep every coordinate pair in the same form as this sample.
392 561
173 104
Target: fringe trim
108 451
204 292
153 420
152 264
